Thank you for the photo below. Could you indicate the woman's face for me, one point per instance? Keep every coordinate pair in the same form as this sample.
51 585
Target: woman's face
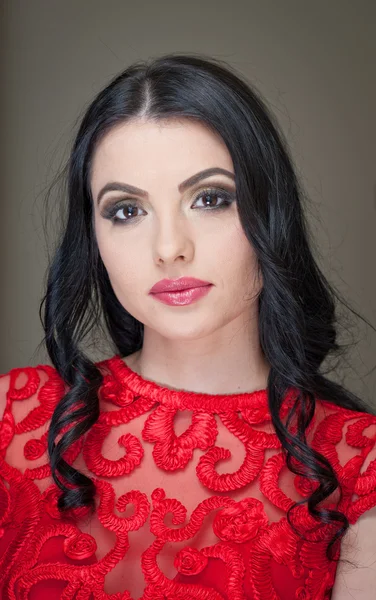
172 230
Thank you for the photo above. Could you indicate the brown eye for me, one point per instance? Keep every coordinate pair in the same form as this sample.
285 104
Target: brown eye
130 211
209 199
121 213
214 199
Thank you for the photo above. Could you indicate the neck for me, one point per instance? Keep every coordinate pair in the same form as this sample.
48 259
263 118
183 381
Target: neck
230 361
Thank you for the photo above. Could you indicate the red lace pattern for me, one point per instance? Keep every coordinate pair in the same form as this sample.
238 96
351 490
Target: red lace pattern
253 556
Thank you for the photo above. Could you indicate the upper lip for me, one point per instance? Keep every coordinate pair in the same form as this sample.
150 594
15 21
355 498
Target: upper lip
175 285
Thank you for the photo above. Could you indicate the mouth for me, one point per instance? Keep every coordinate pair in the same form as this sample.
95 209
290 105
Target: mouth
178 285
183 297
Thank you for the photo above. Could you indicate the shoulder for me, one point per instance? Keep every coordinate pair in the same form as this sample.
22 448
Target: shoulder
347 439
22 383
28 396
344 427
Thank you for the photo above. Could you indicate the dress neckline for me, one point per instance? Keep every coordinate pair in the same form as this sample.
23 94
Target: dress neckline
182 399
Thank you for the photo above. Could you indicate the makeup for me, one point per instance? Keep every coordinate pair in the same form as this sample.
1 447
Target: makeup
180 292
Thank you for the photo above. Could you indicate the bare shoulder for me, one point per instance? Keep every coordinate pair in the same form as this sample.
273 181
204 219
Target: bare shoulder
356 572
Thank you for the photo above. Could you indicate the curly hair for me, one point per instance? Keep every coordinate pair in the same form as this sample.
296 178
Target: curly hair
297 310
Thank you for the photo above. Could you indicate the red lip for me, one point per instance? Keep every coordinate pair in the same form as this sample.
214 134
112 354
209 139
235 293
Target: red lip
176 285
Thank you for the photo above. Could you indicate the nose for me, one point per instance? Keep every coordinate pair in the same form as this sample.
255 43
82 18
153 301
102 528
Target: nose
173 241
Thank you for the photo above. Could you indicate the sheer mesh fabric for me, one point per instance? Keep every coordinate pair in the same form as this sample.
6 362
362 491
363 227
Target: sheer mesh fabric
192 494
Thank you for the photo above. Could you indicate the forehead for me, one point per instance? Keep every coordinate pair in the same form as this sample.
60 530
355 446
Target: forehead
145 153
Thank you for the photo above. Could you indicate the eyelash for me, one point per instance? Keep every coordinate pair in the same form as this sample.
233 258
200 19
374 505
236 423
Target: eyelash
110 211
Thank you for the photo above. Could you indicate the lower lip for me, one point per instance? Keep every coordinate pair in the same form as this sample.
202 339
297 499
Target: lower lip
183 297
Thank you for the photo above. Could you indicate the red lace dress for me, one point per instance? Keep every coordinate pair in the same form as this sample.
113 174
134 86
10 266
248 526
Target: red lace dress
192 495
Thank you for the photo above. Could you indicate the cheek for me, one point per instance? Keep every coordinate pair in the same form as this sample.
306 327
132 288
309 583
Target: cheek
238 261
121 259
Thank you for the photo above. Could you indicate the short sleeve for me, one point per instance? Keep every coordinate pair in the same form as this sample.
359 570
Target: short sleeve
361 436
348 440
28 397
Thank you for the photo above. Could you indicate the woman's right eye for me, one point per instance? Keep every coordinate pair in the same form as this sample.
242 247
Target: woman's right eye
121 213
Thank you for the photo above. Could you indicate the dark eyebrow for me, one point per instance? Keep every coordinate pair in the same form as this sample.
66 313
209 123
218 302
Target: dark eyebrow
115 186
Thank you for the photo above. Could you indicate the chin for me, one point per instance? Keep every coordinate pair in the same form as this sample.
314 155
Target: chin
181 331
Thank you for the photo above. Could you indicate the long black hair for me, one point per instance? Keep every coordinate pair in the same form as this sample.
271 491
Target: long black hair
297 305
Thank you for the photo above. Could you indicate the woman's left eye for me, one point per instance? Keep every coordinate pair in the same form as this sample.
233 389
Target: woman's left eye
220 197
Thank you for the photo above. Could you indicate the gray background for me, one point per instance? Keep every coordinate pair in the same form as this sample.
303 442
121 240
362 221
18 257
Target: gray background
313 61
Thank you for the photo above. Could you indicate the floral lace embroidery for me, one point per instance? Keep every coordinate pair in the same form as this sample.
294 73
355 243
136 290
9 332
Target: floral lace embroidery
253 558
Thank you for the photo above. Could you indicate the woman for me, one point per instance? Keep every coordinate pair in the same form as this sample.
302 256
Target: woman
209 457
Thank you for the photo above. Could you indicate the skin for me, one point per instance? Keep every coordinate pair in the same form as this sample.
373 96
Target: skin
212 345
357 581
